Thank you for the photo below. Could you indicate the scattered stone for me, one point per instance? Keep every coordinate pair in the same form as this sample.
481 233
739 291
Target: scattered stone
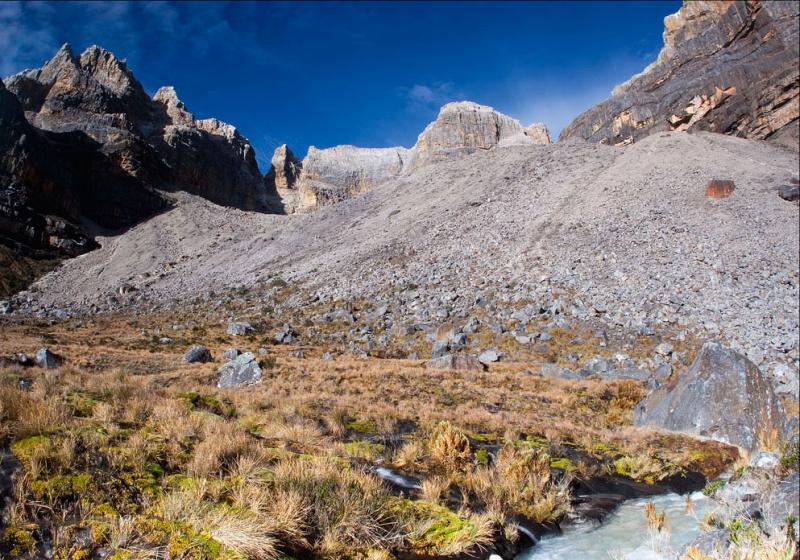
458 341
594 366
47 359
765 460
230 354
244 370
723 396
239 329
197 353
298 354
263 351
450 361
328 357
624 373
718 188
664 349
286 335
663 372
522 339
489 356
790 193
553 371
439 349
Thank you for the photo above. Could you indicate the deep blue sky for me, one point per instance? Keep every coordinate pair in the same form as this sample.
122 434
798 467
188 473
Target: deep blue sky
369 74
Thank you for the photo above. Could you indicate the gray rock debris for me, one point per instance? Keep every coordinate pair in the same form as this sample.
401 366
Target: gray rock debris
450 361
243 370
239 328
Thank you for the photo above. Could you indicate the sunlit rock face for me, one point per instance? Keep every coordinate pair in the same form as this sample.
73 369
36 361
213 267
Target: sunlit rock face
727 67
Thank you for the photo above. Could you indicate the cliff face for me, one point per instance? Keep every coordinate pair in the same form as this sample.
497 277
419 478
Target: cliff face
49 182
157 142
726 67
334 174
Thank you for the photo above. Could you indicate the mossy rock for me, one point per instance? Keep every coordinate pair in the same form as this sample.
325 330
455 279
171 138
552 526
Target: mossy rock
61 487
81 403
41 446
482 457
563 464
20 540
440 526
364 449
362 427
208 403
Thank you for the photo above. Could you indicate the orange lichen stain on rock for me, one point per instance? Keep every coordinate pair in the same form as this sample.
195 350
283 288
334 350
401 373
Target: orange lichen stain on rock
719 188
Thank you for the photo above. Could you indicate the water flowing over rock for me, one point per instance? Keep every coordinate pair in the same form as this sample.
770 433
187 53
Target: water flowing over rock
723 395
727 67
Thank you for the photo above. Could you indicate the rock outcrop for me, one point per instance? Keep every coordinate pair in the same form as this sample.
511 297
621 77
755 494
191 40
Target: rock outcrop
463 128
723 396
726 67
81 140
283 177
157 141
334 174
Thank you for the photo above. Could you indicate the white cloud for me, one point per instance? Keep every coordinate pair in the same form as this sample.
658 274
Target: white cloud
426 98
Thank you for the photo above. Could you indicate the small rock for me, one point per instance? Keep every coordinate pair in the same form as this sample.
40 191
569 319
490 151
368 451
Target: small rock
664 349
239 329
458 341
165 340
230 354
47 359
439 349
663 372
298 354
790 193
327 356
521 339
450 361
552 371
263 351
413 356
489 356
545 337
244 370
197 353
765 460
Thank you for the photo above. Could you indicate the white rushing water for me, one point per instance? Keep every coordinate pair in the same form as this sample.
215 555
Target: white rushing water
624 535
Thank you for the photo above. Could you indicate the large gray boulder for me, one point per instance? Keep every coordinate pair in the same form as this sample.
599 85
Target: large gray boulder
244 370
47 359
197 354
723 396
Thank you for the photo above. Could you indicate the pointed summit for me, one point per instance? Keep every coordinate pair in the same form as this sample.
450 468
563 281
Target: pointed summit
176 109
109 71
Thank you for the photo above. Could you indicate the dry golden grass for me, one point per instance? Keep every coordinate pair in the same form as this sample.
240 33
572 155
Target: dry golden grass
282 466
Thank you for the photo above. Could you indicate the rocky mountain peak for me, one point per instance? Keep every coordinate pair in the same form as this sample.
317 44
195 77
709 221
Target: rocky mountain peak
463 127
109 71
176 109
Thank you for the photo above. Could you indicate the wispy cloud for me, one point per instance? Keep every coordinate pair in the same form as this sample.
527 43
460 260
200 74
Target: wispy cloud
424 98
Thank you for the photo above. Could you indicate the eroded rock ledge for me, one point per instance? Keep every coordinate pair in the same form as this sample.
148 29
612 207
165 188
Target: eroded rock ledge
727 67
